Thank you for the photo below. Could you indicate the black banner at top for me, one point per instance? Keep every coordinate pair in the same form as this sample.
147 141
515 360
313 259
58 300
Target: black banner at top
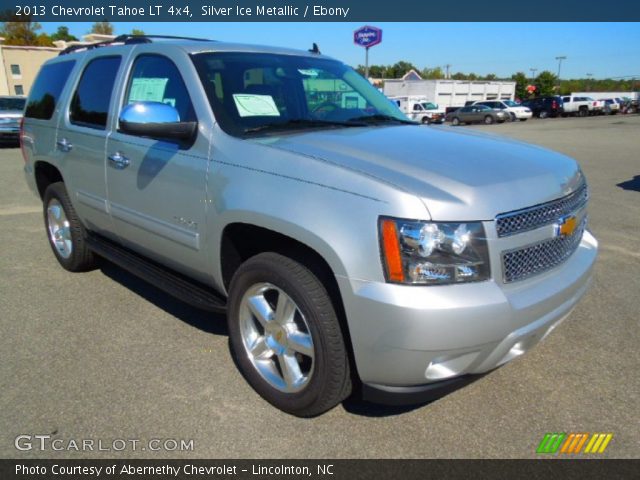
319 10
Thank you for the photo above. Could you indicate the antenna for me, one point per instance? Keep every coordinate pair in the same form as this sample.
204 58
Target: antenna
315 49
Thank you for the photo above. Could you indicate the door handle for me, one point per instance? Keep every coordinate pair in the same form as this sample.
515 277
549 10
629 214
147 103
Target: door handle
64 145
118 161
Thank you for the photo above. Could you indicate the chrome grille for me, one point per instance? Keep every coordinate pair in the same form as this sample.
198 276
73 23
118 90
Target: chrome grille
524 262
531 218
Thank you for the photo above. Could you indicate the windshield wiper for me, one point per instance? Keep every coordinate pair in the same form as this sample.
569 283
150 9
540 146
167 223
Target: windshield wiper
380 118
301 123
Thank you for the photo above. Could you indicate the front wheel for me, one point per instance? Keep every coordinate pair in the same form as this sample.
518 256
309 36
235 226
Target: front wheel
286 337
426 121
543 114
455 121
66 233
488 120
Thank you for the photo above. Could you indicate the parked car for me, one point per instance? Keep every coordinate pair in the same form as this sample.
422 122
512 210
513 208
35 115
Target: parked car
476 114
515 110
543 107
582 106
419 109
11 109
611 106
351 249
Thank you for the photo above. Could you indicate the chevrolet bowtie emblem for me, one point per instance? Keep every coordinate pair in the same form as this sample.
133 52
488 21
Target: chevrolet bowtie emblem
565 226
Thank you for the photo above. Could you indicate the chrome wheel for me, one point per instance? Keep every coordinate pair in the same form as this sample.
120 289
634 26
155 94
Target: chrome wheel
276 337
59 229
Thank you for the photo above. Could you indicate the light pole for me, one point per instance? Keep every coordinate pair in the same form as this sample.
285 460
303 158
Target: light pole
533 73
589 75
560 59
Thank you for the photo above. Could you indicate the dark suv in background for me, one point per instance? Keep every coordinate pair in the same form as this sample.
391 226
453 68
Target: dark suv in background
544 107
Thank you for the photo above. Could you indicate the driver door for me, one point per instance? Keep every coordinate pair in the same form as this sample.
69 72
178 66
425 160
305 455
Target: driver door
156 187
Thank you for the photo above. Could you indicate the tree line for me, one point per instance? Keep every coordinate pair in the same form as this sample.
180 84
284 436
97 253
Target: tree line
545 83
31 34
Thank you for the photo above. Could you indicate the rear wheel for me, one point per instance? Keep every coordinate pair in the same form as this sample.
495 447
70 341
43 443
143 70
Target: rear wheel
66 233
286 337
543 114
583 112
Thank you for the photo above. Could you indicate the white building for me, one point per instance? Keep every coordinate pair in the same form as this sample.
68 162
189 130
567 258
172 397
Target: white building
451 93
603 95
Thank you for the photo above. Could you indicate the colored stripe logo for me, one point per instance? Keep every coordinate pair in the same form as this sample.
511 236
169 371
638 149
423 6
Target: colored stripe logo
573 443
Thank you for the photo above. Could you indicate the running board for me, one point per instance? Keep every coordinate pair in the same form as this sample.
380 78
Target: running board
168 281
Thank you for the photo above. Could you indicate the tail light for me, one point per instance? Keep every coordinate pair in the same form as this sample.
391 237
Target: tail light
554 104
595 104
21 137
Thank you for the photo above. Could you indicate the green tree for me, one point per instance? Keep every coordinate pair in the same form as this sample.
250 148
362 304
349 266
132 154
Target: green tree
521 85
545 83
459 76
24 33
432 73
63 34
399 69
137 31
491 77
102 28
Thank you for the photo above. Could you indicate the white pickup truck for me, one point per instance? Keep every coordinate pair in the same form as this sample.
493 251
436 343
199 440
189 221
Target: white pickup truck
582 106
420 109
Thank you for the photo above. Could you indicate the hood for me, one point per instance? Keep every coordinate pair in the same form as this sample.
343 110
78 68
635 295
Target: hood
459 174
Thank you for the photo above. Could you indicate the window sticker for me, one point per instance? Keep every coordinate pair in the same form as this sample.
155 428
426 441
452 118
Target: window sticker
147 90
309 72
250 105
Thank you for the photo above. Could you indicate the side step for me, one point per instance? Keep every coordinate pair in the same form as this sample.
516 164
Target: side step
173 283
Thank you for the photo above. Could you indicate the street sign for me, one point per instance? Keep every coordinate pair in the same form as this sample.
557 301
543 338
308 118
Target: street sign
367 36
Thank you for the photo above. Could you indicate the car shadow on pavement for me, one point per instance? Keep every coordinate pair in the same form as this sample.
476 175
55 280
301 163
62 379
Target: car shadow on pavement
633 184
209 322
356 406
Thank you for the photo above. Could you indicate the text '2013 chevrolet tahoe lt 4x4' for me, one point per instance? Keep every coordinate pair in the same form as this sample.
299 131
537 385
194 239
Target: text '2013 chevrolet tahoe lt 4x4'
349 247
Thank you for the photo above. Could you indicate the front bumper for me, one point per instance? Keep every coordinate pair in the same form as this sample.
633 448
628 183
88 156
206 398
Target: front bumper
413 336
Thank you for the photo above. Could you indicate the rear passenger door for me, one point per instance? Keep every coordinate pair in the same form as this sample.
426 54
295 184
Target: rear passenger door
157 193
81 138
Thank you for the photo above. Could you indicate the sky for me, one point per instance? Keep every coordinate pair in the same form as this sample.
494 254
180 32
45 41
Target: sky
605 50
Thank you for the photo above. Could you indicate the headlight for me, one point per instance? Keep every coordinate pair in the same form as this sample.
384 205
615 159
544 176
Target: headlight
433 253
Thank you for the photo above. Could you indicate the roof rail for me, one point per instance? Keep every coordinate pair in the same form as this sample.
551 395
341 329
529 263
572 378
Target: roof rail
128 39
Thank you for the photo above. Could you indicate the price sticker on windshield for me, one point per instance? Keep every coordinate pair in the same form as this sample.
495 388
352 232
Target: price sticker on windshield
250 105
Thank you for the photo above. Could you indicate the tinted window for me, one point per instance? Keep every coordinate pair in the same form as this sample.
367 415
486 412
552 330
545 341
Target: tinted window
156 79
90 102
47 88
12 103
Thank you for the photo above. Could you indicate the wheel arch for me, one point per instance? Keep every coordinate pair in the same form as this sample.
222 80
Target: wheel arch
46 174
241 241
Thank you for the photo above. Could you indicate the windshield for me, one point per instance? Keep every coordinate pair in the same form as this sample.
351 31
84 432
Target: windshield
12 103
261 92
511 103
429 106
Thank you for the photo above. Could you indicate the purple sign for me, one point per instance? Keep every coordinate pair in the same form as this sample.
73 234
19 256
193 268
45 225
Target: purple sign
367 36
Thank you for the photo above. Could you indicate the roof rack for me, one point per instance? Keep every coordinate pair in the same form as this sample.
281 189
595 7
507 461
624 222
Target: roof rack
128 39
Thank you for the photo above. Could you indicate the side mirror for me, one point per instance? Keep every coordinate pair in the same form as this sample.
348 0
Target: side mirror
155 120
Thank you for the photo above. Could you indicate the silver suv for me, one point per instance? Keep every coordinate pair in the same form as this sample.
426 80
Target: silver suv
352 250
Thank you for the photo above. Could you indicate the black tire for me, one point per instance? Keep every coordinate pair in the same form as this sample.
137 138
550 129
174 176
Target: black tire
523 119
583 112
543 114
80 258
455 121
426 121
488 120
330 381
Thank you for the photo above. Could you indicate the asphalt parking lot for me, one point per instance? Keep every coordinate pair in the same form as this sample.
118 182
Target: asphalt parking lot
101 355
